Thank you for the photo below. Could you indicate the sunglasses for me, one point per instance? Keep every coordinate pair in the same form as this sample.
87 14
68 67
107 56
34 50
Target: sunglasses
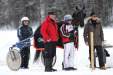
94 16
70 20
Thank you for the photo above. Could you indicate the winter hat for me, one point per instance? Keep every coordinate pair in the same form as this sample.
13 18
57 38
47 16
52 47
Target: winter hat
93 13
51 13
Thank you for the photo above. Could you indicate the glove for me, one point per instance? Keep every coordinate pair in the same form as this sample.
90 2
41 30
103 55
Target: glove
72 36
75 32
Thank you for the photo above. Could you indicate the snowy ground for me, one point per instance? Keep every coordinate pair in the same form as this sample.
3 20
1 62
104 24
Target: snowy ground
8 38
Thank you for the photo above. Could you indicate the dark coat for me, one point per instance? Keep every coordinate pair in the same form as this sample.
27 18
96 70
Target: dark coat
38 39
60 42
98 32
24 32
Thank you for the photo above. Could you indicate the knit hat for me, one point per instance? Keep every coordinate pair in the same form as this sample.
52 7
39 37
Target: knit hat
93 13
51 13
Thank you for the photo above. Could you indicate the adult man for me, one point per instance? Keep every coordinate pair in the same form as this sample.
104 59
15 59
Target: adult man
93 25
24 31
50 35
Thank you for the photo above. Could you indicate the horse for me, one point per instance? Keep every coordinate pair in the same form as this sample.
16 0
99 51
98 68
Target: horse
78 19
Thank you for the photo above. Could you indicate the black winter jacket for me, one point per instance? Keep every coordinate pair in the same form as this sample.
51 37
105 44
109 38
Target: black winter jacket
24 32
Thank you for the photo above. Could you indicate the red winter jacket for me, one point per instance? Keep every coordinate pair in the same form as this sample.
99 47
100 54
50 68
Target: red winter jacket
65 33
49 30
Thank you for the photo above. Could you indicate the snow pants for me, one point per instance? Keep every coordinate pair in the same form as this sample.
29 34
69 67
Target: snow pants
69 51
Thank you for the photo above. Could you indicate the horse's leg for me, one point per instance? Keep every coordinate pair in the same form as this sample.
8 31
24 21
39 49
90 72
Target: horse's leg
37 55
43 56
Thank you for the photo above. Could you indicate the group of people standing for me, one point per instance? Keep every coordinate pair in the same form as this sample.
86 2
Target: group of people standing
49 31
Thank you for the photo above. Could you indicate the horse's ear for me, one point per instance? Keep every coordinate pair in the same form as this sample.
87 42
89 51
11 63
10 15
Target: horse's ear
83 8
76 8
84 15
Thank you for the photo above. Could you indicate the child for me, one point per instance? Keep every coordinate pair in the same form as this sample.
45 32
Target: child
68 36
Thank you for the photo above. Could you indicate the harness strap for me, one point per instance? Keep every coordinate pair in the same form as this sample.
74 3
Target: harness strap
76 42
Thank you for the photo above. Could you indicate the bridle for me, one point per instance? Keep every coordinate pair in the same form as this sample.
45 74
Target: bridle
81 16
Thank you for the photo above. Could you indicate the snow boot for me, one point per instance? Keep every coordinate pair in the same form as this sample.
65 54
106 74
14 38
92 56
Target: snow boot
103 68
47 65
72 68
68 68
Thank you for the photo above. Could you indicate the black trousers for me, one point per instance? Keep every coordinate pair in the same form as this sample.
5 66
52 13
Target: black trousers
50 49
99 54
25 54
50 52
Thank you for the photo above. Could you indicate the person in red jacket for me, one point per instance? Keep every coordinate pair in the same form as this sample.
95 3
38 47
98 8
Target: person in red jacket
50 35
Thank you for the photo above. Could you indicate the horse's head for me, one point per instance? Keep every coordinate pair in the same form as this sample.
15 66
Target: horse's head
78 17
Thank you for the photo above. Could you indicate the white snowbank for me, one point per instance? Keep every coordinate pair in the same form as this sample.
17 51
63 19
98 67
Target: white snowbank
8 38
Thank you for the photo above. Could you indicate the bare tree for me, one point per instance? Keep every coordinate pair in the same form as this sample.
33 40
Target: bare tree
37 10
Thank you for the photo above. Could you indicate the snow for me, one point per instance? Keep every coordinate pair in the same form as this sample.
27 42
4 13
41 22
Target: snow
9 37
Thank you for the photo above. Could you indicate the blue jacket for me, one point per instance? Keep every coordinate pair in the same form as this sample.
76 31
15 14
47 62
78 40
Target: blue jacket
24 32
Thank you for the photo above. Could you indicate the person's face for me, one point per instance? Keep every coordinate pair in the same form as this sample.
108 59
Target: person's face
52 17
94 17
25 22
69 21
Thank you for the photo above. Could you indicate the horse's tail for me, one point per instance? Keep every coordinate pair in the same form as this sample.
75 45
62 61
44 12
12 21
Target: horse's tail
37 55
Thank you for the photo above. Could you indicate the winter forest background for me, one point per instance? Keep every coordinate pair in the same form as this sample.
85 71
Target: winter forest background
11 11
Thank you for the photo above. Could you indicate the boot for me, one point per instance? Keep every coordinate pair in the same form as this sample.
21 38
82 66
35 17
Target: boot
47 65
103 68
65 68
72 68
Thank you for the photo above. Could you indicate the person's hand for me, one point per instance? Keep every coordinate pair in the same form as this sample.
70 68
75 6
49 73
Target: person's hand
48 40
71 36
102 42
87 43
